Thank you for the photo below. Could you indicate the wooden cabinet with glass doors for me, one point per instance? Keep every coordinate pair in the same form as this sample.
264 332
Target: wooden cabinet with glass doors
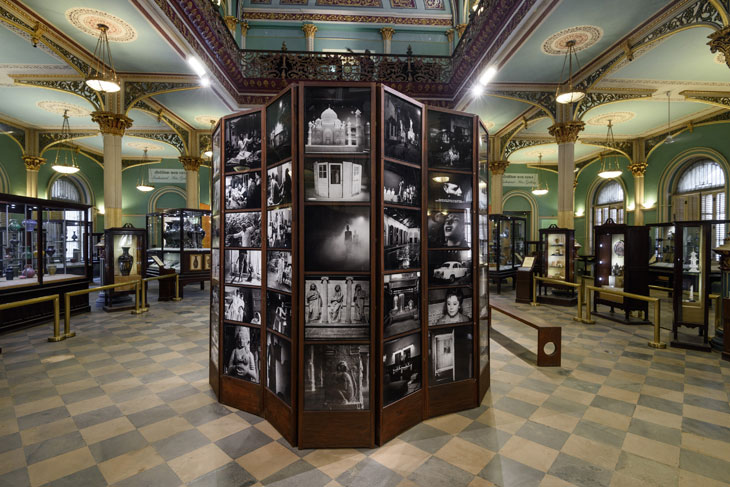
558 262
506 247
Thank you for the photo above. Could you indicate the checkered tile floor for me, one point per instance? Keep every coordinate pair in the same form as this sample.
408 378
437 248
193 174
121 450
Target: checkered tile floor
127 402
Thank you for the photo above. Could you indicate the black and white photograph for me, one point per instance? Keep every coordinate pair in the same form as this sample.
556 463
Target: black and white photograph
243 191
337 238
243 229
278 367
278 270
215 160
278 312
242 267
215 201
279 185
446 267
402 129
449 229
279 228
449 190
401 238
336 120
214 323
336 377
243 142
401 184
336 179
215 259
242 304
215 231
402 367
242 352
450 141
401 303
450 352
279 129
449 306
336 307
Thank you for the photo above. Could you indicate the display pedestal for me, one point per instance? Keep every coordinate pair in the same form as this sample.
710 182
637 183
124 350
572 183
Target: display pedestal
524 286
167 286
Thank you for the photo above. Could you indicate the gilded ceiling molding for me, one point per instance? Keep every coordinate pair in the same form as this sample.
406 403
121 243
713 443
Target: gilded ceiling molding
349 3
716 99
566 132
182 132
516 144
723 6
403 3
137 90
75 87
130 163
624 147
33 163
16 133
46 140
544 100
231 22
169 138
433 4
595 99
720 42
507 137
363 19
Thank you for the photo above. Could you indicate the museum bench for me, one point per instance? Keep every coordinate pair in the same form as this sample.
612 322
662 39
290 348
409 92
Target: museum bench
547 334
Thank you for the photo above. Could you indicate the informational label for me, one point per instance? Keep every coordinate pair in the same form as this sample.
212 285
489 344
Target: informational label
167 176
528 263
529 179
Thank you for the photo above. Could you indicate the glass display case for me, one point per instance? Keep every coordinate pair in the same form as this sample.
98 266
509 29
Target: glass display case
180 239
41 249
125 260
558 262
621 263
661 257
506 247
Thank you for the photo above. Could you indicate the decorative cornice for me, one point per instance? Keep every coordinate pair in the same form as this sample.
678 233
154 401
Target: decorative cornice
191 163
231 22
566 132
76 86
516 144
48 139
387 33
449 35
111 123
362 19
498 167
638 168
33 163
244 27
460 29
170 138
595 99
309 30
137 90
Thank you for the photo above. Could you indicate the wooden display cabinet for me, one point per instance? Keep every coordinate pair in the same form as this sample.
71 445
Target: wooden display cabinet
622 259
349 262
507 247
42 252
557 252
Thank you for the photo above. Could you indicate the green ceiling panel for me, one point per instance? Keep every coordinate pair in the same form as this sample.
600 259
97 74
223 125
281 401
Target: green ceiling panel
499 111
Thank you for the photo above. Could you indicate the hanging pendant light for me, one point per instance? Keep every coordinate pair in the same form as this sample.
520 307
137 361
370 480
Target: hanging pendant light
609 160
67 162
141 185
209 150
567 93
669 139
540 190
102 76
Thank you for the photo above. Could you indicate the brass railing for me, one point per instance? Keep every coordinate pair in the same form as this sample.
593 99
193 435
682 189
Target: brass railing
144 308
549 280
657 343
67 301
57 337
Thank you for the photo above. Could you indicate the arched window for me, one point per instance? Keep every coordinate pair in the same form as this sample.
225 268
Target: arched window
700 195
609 203
64 188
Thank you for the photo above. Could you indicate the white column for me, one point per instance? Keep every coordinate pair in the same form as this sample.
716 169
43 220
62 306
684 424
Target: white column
566 133
32 166
496 192
309 31
112 126
192 180
387 34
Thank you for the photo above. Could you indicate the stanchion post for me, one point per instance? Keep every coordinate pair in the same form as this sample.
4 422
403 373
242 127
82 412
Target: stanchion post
579 317
137 294
534 292
177 288
657 343
57 337
144 308
67 333
589 319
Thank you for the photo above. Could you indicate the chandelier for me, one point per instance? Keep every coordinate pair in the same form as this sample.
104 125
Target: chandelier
102 76
67 162
609 160
141 185
567 93
540 190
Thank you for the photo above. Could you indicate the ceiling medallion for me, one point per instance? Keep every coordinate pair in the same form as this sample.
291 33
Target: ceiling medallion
61 107
615 117
719 58
489 125
541 152
584 36
205 119
87 19
138 144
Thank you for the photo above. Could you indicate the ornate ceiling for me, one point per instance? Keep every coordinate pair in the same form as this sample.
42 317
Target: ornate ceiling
627 62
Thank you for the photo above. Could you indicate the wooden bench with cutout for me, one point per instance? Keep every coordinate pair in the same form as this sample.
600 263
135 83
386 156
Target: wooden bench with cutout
546 334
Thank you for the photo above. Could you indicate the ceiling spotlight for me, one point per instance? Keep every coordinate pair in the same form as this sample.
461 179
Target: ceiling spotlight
487 75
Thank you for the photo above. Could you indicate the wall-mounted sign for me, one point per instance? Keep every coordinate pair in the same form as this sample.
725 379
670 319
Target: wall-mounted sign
173 176
529 179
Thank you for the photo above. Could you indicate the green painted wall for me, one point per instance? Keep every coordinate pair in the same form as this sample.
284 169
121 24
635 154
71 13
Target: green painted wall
11 159
547 205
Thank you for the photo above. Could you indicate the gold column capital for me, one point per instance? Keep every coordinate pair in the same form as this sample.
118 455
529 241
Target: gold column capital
111 123
244 27
387 33
309 30
33 163
460 29
231 22
638 168
720 41
450 35
191 163
498 167
565 132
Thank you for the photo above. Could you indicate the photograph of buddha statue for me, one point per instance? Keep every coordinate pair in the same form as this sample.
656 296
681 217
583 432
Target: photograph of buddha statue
336 377
242 352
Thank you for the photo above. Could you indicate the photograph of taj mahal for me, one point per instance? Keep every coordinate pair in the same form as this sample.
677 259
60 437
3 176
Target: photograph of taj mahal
337 120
